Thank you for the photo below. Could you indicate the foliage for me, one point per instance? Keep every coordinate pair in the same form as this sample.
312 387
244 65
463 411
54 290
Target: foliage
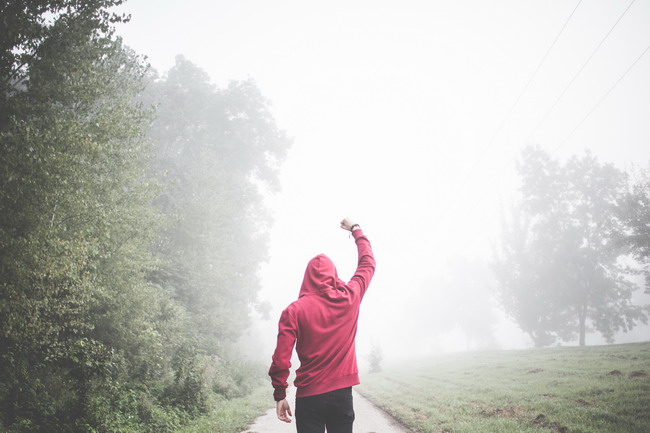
77 224
36 22
558 266
635 212
215 149
120 291
598 389
234 415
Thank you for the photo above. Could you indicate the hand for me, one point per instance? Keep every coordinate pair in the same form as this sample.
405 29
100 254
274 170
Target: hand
283 410
347 224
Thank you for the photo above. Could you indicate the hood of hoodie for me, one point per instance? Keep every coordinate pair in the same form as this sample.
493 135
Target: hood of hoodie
320 276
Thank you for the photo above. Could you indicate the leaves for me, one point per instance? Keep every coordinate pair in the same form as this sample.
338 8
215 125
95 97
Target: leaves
558 263
635 212
77 224
130 239
213 147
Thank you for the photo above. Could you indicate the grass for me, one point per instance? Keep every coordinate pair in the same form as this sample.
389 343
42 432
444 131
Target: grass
600 389
232 416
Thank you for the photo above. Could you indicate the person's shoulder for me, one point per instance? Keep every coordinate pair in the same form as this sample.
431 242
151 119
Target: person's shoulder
295 306
292 312
301 304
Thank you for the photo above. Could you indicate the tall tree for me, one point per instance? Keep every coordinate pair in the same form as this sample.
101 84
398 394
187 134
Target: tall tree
113 317
216 150
526 285
558 265
78 320
27 25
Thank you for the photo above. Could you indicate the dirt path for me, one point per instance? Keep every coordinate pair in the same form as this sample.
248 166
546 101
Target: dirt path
369 419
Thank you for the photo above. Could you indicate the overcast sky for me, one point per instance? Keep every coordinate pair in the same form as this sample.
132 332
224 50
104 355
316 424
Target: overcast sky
395 110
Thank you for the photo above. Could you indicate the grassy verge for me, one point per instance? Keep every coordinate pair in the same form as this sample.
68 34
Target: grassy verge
602 389
232 416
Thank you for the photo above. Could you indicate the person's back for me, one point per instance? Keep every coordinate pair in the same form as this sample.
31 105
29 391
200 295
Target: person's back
322 323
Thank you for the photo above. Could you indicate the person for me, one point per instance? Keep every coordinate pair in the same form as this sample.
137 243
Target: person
322 323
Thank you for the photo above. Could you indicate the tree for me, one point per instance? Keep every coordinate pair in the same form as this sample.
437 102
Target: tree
28 25
216 149
558 266
78 327
125 268
635 212
526 284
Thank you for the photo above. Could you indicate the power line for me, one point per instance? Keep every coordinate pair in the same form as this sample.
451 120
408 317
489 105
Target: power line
507 117
601 99
494 179
490 185
578 73
539 66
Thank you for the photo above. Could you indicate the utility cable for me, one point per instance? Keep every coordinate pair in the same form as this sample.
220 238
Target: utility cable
601 99
485 148
539 66
490 185
578 73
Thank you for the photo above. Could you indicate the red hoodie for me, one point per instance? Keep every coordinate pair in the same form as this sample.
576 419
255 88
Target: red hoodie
322 323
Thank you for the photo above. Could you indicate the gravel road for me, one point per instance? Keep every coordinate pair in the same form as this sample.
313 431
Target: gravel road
369 419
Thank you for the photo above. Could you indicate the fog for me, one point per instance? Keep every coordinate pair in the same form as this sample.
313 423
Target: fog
409 118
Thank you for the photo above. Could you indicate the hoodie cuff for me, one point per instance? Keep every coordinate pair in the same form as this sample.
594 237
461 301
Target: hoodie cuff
279 394
356 234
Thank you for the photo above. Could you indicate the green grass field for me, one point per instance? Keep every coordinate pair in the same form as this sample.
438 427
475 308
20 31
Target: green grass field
600 389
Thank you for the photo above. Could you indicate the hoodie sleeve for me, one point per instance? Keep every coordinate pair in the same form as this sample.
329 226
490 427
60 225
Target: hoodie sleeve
365 265
279 370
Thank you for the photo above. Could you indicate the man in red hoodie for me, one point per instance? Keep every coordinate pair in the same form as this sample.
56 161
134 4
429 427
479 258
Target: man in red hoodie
322 323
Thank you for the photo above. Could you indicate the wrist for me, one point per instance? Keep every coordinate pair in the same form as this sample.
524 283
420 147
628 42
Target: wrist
354 227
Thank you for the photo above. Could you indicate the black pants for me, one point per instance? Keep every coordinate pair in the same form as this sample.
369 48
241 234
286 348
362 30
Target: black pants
332 410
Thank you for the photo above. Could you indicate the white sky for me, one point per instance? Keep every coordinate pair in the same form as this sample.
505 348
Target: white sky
390 105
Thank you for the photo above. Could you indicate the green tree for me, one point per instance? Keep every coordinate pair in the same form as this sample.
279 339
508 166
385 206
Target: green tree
27 25
558 266
217 150
119 293
76 311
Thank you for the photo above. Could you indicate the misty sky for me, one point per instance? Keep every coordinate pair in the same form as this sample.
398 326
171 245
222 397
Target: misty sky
394 107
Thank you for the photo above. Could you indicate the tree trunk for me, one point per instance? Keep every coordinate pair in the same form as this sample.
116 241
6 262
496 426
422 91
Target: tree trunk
583 324
537 340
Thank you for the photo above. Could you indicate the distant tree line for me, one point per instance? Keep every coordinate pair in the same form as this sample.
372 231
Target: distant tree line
571 247
572 253
131 226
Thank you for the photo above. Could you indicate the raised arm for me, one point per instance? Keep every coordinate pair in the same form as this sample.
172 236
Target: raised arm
366 260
